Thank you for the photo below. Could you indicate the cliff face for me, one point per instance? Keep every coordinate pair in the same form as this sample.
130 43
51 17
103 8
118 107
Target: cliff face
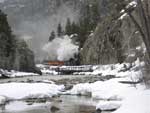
100 48
115 40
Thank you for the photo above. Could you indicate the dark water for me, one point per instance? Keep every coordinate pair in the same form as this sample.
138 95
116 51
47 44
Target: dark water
68 104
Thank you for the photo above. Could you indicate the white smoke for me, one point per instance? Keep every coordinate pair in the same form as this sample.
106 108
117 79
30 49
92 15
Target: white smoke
61 49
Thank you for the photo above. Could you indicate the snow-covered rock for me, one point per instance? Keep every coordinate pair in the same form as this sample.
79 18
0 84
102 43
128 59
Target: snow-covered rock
108 105
49 71
81 89
2 100
13 73
21 74
48 81
104 90
29 90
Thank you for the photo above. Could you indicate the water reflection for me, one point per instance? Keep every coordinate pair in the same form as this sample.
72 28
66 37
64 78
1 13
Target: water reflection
69 104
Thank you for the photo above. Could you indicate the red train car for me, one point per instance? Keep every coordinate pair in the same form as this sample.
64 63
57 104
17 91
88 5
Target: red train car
55 63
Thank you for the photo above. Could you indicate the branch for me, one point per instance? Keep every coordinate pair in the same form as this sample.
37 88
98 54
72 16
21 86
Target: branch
147 5
137 25
143 18
139 29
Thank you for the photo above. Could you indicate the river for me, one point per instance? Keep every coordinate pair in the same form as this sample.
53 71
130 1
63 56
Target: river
68 104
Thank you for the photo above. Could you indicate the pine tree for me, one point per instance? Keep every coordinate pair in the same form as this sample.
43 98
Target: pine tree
95 14
68 29
52 36
7 43
6 33
59 30
14 54
85 24
75 28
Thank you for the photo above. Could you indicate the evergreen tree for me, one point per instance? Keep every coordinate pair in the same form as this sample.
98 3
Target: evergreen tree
59 30
5 32
71 27
24 57
68 29
52 36
85 24
75 28
7 43
95 14
14 54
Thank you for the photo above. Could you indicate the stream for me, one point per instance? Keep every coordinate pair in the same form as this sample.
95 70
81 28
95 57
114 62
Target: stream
68 104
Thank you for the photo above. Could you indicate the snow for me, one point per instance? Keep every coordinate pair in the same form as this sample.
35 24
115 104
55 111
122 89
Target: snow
139 48
122 16
138 102
13 73
120 70
112 94
104 90
48 81
108 105
49 71
41 66
133 4
2 100
29 90
131 55
20 74
116 93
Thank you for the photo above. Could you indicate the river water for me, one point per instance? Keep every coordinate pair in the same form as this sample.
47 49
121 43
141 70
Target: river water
68 104
40 78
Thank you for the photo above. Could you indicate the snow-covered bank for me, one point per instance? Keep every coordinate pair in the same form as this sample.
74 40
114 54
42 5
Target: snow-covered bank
13 73
138 102
108 105
112 95
112 89
119 70
29 90
48 71
124 92
105 90
20 74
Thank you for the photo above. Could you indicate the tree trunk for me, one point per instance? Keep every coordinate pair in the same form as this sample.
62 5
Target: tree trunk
144 28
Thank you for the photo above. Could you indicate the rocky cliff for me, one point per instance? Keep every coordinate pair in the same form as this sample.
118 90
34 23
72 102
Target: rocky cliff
115 39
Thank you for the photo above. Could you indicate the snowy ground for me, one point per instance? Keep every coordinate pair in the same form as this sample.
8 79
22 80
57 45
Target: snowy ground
13 73
15 91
